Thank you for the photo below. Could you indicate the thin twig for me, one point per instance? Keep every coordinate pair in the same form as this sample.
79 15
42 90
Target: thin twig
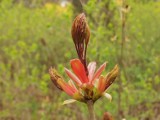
123 36
81 2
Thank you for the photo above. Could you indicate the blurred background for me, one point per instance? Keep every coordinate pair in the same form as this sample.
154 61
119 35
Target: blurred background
35 34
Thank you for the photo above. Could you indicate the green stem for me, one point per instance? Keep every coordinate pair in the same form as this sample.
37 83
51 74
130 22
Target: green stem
90 106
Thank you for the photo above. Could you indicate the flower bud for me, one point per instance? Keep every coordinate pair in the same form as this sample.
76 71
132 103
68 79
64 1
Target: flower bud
80 30
112 76
55 77
81 34
107 116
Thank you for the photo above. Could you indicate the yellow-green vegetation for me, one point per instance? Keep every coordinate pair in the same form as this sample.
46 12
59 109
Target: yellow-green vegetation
33 38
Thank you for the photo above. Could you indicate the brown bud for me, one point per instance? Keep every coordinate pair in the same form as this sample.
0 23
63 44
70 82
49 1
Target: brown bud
55 77
112 76
107 116
80 30
81 34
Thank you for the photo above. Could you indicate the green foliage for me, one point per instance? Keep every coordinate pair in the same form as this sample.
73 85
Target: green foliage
141 53
33 39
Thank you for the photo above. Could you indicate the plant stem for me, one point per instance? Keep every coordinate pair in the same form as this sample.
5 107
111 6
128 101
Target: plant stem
90 106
